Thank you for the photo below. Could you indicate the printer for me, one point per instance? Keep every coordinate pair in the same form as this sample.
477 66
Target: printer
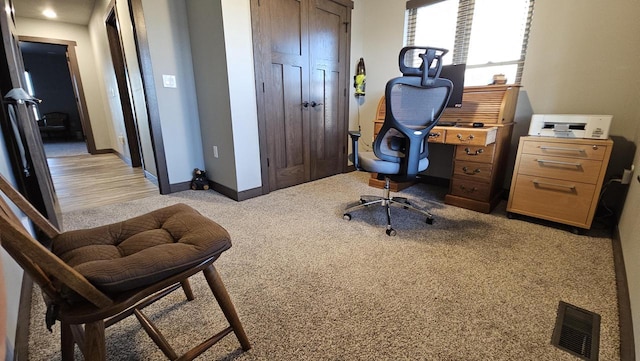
571 125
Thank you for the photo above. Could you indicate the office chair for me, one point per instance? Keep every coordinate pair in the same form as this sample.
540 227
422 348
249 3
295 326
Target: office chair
93 278
414 103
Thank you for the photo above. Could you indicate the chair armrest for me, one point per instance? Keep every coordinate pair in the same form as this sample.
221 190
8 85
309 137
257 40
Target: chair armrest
355 135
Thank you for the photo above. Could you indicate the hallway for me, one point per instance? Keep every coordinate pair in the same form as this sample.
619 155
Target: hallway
88 181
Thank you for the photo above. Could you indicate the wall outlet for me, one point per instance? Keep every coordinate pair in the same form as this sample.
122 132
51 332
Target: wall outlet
627 175
121 139
215 151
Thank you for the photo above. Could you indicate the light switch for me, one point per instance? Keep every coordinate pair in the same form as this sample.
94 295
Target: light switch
169 81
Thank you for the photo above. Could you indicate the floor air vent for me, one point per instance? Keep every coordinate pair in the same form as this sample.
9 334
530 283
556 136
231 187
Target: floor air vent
577 331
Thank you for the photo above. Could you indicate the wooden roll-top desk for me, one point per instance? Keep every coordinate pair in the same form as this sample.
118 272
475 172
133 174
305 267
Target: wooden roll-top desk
480 153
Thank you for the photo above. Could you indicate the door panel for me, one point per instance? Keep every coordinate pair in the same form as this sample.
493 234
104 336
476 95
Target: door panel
328 39
287 120
34 179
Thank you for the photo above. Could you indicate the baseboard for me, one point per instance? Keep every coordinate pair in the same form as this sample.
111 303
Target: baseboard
235 195
104 151
627 342
21 351
179 187
152 178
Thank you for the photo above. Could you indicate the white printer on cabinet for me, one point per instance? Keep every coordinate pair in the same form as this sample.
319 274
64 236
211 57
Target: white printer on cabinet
571 125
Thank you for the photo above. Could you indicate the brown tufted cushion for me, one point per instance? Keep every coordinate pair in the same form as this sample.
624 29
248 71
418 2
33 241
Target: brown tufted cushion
142 250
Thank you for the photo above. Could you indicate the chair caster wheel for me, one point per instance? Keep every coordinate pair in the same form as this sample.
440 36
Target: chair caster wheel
363 201
346 216
429 221
391 232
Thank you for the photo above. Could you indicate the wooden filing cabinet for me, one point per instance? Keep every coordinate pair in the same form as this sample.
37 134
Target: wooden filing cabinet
559 179
480 153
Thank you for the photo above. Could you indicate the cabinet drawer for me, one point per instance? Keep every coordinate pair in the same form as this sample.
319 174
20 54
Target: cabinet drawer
475 153
552 199
437 136
573 150
471 136
469 189
569 169
480 172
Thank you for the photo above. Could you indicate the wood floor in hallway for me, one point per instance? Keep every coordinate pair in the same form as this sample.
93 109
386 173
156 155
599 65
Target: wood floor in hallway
88 181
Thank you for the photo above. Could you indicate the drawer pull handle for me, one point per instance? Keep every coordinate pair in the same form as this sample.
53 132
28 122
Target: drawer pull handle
469 137
434 135
466 171
468 190
477 152
577 165
571 188
562 149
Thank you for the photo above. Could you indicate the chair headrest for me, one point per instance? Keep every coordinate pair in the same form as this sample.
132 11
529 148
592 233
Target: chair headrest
430 66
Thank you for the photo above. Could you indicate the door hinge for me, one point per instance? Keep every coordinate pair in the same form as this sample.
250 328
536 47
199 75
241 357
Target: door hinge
268 163
346 26
263 87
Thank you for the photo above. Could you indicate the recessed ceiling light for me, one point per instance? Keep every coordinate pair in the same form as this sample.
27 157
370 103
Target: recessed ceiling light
50 14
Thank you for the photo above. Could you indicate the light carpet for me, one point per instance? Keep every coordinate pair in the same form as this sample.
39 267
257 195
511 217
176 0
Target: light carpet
309 285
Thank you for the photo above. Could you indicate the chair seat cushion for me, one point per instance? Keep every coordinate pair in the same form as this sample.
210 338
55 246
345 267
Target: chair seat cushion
142 250
370 163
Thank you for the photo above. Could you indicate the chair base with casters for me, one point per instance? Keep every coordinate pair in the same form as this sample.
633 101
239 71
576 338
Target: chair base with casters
386 201
93 278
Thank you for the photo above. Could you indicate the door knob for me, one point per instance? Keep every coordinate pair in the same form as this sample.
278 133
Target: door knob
305 104
314 104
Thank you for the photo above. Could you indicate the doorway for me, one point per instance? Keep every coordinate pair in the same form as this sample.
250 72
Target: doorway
51 74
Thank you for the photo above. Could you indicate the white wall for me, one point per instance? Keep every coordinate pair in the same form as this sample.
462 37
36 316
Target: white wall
238 39
169 44
210 64
630 238
377 36
88 64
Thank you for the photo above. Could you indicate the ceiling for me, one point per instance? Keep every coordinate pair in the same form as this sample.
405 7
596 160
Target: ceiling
69 11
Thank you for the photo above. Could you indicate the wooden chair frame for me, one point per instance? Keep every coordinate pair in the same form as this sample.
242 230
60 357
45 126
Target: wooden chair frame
96 310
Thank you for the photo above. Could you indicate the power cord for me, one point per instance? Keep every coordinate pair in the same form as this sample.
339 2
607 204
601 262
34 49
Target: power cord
602 201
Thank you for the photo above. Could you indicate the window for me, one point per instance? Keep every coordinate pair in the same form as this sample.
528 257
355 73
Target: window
490 36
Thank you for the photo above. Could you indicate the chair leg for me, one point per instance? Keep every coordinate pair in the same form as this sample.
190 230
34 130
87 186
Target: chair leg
66 342
221 295
186 287
94 343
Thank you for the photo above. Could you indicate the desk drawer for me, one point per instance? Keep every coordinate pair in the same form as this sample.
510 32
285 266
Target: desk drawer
471 136
469 189
573 150
437 136
476 153
556 200
480 172
569 169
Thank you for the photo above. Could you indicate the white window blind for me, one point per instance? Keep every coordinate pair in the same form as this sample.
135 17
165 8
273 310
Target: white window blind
490 36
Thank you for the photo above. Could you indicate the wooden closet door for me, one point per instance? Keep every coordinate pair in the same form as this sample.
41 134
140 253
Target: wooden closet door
286 89
328 40
301 51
